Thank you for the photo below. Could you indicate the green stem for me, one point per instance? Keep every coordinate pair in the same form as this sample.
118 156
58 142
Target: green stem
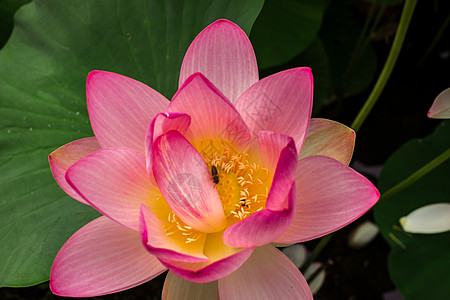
322 243
407 13
408 10
416 175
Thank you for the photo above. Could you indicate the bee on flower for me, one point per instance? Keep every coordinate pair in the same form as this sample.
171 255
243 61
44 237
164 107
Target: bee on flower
204 184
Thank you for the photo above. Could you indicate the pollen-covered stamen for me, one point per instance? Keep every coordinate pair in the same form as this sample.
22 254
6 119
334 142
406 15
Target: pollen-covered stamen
229 191
243 185
178 229
174 226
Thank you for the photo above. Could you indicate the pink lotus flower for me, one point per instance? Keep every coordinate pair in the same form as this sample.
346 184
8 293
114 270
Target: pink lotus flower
204 184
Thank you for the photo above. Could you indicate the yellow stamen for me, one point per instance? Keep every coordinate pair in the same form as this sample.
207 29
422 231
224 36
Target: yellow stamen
242 185
179 229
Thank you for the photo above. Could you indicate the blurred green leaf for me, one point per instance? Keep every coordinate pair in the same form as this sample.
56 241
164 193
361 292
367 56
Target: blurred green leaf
418 263
7 10
389 2
284 29
339 33
314 57
43 69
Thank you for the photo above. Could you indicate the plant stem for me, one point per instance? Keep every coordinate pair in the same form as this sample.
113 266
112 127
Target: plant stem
416 175
407 13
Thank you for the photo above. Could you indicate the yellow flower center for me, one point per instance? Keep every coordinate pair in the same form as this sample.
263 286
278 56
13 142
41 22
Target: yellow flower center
242 186
229 191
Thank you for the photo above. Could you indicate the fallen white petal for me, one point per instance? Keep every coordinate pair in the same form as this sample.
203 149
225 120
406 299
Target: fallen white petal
362 235
296 253
433 218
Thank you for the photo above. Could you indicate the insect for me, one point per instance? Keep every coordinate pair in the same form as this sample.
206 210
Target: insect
215 176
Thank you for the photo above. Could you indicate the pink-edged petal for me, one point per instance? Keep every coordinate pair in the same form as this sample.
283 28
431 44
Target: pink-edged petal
223 261
156 241
267 274
330 195
162 123
208 272
186 183
176 288
121 109
101 258
223 53
278 153
281 103
213 116
329 138
262 227
270 146
440 109
64 157
113 181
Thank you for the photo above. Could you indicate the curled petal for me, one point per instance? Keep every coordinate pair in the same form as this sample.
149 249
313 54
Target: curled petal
270 145
223 53
186 183
223 260
329 138
213 116
113 181
267 274
441 106
121 109
161 245
330 195
433 218
176 288
208 272
162 123
101 258
279 155
262 227
64 157
281 103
